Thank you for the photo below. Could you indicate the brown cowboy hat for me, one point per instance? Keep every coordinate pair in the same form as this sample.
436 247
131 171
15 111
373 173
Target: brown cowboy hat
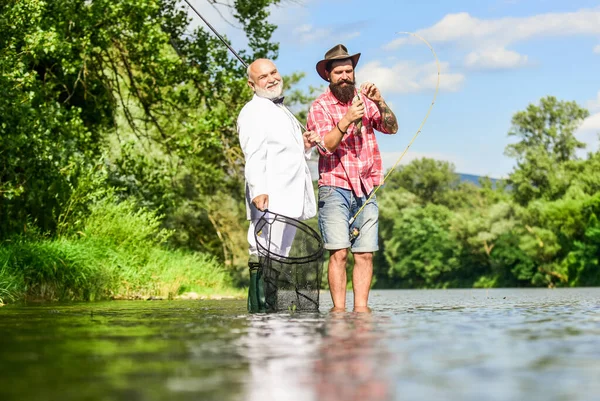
337 52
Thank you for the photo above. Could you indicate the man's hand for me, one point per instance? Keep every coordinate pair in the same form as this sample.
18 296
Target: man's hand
371 92
355 112
311 138
261 202
390 123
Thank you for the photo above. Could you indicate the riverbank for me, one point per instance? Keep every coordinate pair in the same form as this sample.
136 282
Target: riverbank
118 251
88 270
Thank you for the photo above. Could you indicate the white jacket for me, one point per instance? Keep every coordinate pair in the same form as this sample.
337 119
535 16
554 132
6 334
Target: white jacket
271 140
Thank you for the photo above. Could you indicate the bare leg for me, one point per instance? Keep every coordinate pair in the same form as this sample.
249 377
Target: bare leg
361 278
337 277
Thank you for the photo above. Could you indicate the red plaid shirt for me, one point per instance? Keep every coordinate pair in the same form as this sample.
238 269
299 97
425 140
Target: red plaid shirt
360 169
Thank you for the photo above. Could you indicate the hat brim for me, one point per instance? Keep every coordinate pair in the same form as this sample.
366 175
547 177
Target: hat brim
321 65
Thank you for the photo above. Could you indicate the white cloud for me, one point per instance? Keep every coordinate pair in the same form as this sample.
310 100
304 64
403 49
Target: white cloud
597 49
464 28
406 77
590 128
591 124
478 35
495 59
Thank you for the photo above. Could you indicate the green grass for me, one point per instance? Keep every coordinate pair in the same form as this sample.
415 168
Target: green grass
117 252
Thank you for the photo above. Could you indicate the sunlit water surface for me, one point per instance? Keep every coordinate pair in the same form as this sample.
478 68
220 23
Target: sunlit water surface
415 345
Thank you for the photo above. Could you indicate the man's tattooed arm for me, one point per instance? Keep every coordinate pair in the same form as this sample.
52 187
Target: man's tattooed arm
390 123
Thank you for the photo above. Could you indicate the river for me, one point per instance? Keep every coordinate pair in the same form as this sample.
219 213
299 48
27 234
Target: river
501 344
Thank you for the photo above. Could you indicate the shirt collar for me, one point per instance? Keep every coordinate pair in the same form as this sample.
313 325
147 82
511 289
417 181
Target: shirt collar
275 101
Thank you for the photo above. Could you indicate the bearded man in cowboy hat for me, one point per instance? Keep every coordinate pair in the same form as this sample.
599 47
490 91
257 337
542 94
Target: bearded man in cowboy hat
345 117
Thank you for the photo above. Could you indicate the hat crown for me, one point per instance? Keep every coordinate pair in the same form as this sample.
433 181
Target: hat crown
336 52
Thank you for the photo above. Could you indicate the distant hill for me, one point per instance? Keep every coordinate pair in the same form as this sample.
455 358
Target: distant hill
475 179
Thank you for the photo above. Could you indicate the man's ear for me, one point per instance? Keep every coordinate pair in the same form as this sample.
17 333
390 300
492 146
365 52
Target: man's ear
251 85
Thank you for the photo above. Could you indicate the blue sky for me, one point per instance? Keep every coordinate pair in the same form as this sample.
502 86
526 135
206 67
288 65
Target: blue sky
497 56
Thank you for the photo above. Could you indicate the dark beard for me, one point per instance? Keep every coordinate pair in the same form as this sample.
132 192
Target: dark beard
343 93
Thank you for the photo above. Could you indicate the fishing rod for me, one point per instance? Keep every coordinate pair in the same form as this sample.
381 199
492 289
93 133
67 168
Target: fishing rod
222 39
355 231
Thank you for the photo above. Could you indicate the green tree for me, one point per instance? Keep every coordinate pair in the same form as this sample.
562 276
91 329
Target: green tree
546 141
583 262
421 252
80 79
429 179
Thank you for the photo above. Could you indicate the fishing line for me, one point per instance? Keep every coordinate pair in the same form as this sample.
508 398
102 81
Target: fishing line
217 33
319 145
355 231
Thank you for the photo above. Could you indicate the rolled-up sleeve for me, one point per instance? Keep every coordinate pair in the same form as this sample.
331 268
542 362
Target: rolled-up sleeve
375 116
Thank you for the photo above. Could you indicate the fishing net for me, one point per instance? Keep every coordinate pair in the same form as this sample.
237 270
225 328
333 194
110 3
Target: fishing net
288 276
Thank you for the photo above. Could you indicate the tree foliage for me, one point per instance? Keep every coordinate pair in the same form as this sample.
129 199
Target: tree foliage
429 179
547 142
126 79
122 98
539 230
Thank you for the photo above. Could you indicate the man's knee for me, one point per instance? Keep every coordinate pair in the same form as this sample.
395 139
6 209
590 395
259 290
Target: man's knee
339 255
364 258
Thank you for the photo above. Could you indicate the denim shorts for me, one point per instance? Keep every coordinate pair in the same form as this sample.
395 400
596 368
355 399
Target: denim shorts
336 207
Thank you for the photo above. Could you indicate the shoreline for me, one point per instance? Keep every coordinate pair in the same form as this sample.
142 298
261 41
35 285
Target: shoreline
189 296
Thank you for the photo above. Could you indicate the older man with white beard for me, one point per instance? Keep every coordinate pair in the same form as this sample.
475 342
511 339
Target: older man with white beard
276 172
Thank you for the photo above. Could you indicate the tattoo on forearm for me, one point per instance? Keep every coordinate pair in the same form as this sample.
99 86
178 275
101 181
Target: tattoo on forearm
390 124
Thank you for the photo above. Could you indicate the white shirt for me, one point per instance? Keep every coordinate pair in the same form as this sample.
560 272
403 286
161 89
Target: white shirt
271 139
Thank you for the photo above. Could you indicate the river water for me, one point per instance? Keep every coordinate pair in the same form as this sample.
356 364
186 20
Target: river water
502 344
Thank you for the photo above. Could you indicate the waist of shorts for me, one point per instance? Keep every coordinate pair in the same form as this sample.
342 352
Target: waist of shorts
359 189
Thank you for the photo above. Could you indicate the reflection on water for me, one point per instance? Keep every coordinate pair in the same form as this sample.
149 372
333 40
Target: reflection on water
279 347
336 356
414 345
353 359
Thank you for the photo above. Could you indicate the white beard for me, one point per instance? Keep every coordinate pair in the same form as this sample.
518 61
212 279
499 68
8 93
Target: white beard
271 94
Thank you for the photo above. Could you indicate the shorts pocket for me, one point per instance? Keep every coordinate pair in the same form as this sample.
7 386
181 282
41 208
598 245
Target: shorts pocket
325 192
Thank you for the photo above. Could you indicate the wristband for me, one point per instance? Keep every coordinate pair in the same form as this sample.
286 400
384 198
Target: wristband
338 127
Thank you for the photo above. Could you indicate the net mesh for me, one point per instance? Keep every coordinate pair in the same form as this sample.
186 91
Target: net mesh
291 260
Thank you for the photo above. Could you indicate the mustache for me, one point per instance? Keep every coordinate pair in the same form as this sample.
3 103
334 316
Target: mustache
344 93
343 81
